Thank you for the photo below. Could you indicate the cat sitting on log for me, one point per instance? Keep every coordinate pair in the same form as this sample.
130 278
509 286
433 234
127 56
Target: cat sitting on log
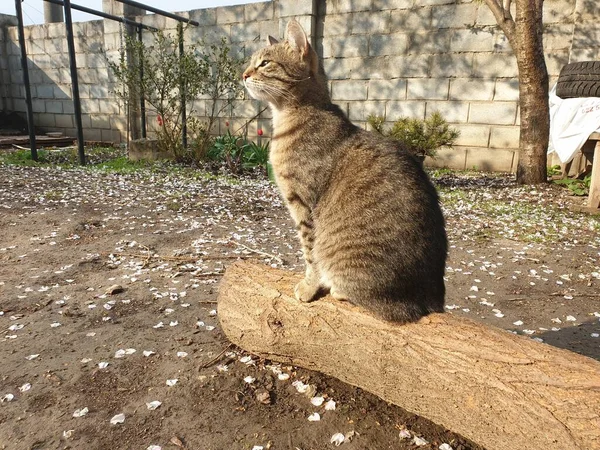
368 217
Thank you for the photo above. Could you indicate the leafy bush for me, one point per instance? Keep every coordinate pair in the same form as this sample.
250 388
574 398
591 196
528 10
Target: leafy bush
575 185
161 76
238 153
418 136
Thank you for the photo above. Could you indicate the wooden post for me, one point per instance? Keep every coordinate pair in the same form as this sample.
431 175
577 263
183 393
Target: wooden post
594 195
503 391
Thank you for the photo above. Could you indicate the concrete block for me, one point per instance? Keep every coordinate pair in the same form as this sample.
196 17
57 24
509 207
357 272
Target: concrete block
409 66
349 90
468 41
452 65
394 110
61 93
379 5
108 106
90 106
35 47
243 32
55 30
558 37
427 89
437 41
506 90
19 105
100 91
394 89
94 60
84 91
485 17
448 158
501 43
388 44
54 107
268 28
452 111
495 65
100 121
505 137
371 22
347 6
421 3
559 11
337 24
256 12
472 89
407 20
454 16
110 135
230 14
290 8
213 35
44 120
473 135
90 134
37 105
118 123
207 16
64 121
558 58
45 91
489 160
493 113
55 46
360 111
68 107
348 47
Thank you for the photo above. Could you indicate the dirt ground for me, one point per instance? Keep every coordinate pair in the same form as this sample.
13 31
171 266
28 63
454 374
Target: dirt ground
108 288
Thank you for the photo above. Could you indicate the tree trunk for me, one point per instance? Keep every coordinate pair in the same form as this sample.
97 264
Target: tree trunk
533 93
525 35
503 391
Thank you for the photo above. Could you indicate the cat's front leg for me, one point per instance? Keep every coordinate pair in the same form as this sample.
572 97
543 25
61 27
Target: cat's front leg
309 288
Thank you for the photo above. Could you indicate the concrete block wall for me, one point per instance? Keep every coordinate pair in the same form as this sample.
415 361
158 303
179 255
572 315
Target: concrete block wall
386 57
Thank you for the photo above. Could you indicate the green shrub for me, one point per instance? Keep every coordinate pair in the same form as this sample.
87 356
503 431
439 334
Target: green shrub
420 137
238 153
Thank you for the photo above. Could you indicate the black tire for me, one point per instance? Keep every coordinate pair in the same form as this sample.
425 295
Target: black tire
580 79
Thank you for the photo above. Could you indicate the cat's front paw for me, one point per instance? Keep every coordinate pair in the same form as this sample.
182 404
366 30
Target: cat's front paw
306 292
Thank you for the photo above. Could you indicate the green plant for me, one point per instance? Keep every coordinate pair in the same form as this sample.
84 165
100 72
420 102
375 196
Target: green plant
238 153
256 155
163 77
575 185
420 137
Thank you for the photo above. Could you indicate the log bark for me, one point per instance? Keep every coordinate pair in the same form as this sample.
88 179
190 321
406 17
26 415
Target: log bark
503 391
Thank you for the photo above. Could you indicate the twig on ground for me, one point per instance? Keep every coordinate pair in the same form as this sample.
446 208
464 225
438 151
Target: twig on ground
260 252
216 358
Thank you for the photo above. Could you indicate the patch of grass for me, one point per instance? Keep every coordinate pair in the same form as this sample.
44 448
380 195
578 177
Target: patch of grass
23 158
121 164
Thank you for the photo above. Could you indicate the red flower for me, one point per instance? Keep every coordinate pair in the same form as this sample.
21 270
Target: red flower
259 132
160 121
227 123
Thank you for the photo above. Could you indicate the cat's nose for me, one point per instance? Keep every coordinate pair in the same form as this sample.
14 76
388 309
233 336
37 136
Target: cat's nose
245 76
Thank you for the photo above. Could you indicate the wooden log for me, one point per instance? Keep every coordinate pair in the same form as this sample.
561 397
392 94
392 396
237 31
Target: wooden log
503 391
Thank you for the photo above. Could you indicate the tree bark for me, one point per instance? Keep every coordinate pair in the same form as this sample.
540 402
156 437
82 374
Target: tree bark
525 35
503 391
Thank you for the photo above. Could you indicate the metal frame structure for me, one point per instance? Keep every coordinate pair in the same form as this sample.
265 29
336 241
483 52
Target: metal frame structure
68 6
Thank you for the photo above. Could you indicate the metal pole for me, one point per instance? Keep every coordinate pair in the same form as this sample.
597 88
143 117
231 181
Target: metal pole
182 89
74 81
142 101
27 86
159 11
53 13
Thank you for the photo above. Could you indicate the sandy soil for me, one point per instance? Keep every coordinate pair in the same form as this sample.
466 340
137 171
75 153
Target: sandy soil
108 287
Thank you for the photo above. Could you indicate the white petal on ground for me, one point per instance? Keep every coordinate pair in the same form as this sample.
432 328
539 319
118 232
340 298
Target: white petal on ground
172 382
153 405
119 418
174 323
257 447
317 401
31 357
249 379
518 323
81 412
55 324
103 365
337 439
67 433
445 447
314 417
209 328
330 405
7 398
181 354
16 327
120 353
405 434
419 442
212 312
283 376
25 387
154 447
571 319
147 353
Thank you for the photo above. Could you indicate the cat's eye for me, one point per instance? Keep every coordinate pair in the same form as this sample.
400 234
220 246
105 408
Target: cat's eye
264 63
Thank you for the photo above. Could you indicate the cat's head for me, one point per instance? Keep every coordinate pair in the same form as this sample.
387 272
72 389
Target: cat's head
285 73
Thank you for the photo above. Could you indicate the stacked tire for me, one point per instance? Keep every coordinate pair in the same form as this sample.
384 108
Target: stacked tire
580 79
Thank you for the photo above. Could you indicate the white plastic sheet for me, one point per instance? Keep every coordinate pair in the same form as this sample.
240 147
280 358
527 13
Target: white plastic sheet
572 120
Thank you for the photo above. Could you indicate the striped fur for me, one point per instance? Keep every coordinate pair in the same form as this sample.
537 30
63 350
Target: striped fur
368 218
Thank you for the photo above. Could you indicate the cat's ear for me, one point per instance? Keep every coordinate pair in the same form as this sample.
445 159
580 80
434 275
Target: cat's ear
272 41
297 37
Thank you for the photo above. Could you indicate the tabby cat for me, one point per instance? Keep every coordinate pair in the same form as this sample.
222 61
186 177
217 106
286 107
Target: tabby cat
368 218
